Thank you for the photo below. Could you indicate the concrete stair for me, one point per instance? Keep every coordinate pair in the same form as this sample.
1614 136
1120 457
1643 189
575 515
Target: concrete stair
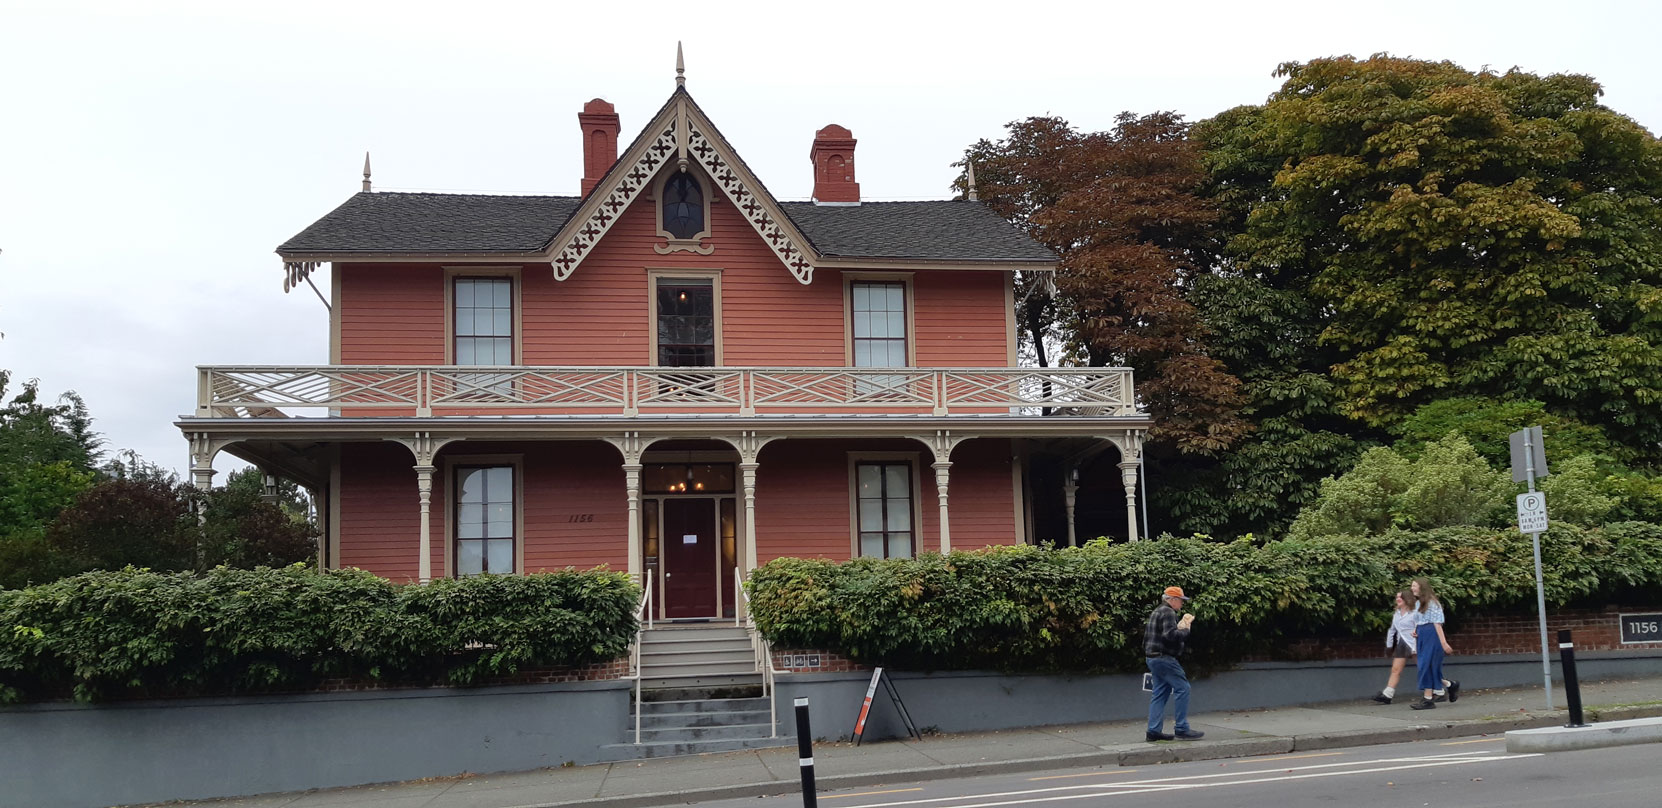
701 693
701 655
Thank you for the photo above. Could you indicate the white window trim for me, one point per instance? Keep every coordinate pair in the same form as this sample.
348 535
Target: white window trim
656 274
448 464
451 274
851 278
854 461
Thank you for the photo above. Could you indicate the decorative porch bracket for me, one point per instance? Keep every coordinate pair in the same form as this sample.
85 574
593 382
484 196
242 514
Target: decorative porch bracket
426 448
941 444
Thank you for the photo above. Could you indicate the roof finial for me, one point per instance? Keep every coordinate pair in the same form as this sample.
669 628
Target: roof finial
366 172
973 197
680 67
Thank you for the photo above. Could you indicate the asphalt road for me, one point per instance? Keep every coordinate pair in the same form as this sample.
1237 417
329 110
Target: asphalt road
1473 773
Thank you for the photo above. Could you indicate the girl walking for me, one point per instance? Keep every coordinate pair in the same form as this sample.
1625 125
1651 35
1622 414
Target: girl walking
1399 640
1431 644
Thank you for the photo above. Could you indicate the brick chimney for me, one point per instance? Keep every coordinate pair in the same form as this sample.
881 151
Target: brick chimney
600 129
833 156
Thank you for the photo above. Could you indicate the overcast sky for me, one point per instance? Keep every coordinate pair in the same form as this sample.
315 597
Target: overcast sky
153 154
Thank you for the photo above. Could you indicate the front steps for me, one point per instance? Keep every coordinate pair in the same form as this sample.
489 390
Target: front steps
700 693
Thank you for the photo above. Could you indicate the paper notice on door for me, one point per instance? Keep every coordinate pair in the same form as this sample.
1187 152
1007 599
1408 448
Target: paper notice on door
689 538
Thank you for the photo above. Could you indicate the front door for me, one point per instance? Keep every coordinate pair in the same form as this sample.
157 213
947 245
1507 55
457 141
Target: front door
691 558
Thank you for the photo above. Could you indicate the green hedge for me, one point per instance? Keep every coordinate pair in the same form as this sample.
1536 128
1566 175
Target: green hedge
1082 609
136 633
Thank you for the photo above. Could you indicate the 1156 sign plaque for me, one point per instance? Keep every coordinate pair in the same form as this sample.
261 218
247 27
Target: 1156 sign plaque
1641 627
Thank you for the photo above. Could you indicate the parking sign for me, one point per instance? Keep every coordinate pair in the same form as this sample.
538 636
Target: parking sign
1532 512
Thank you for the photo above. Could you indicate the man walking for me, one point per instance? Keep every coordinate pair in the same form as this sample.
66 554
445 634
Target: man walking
1163 640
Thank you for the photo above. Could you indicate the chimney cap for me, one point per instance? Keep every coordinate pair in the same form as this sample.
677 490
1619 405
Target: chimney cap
599 106
834 132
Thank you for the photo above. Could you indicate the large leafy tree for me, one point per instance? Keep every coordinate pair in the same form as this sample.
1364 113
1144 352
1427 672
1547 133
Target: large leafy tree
1456 233
1121 210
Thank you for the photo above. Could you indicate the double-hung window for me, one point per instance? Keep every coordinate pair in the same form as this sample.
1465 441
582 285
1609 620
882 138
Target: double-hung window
878 328
483 321
884 505
484 519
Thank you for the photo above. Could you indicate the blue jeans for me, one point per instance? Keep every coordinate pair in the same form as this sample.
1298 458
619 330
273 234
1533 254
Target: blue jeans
1170 682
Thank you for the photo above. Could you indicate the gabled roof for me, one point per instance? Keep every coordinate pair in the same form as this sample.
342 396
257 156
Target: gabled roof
563 230
390 223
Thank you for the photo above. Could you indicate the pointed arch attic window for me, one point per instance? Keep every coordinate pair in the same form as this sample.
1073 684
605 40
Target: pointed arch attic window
683 214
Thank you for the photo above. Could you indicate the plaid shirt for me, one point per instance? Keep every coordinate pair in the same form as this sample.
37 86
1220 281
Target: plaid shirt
1162 637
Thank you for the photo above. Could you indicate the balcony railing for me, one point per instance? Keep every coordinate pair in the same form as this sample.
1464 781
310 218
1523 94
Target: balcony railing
438 390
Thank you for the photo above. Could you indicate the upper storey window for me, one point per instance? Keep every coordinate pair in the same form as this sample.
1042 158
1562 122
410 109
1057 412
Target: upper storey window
686 315
484 321
683 214
879 324
683 206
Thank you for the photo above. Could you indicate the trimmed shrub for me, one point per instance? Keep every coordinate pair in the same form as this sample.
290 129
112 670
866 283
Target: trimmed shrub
1082 609
135 633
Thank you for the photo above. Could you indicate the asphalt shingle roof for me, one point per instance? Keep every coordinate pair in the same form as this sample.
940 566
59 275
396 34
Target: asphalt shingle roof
967 231
461 223
436 223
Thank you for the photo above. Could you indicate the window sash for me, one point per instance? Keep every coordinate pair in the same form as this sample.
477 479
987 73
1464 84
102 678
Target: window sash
878 324
485 517
883 509
482 321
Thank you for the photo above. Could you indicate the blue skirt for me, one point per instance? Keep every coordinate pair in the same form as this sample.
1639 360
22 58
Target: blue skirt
1429 657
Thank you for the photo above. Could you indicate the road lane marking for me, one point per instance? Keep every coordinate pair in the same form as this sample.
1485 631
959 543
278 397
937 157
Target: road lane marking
1479 740
1099 790
868 793
1288 757
1086 774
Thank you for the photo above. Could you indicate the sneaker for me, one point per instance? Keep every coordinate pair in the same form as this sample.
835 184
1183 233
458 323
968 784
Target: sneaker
1439 697
1190 734
1158 736
1424 704
1454 691
1381 697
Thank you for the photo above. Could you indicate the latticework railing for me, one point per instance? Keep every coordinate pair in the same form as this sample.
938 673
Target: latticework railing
422 391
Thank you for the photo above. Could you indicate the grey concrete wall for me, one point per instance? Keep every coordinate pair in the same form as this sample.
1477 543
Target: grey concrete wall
73 756
974 701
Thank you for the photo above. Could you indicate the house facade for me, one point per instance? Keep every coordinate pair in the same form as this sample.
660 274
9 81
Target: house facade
673 373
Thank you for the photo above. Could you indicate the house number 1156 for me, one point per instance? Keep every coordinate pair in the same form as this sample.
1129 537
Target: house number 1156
580 517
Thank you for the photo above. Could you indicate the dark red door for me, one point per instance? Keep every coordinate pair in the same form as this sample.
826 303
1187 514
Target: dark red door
690 558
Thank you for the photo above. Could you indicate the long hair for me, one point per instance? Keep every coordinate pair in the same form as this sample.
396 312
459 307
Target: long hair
1427 594
1407 596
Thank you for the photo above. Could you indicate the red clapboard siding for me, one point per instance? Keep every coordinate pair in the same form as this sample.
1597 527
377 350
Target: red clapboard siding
981 497
960 319
379 513
391 314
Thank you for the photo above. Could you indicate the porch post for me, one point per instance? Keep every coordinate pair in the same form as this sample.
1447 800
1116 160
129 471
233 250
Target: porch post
943 477
748 471
631 446
632 485
1128 475
1130 444
1070 493
426 450
424 493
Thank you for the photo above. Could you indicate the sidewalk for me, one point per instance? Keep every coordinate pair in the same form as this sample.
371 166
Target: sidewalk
668 781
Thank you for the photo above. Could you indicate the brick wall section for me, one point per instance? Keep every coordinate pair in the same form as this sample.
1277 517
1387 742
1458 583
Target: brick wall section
1593 630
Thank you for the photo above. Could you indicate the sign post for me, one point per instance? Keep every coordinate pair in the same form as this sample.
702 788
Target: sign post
1529 460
